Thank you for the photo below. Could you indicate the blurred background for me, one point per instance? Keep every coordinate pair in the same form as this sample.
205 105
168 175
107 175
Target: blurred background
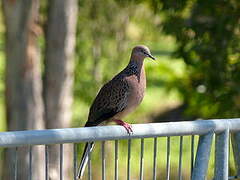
55 55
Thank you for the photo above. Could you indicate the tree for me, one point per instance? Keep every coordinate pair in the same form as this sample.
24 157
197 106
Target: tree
58 76
23 79
26 99
207 37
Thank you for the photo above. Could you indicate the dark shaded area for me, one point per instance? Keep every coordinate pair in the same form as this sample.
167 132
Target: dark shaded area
173 115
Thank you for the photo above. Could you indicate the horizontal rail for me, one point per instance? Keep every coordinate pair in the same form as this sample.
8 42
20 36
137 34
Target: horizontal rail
74 135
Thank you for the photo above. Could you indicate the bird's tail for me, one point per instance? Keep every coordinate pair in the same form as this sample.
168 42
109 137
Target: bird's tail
88 149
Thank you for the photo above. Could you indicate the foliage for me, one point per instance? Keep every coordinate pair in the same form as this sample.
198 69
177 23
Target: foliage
207 35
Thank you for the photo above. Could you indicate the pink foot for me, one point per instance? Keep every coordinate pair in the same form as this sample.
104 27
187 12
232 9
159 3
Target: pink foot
127 126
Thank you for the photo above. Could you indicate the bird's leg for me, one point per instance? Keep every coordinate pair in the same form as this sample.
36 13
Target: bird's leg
127 126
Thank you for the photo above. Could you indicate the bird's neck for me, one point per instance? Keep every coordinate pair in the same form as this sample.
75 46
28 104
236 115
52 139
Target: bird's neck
137 58
136 67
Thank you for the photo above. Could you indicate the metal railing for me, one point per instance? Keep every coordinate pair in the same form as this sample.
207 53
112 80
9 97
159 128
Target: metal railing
206 129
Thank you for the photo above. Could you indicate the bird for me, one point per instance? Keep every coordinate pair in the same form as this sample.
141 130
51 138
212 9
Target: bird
118 97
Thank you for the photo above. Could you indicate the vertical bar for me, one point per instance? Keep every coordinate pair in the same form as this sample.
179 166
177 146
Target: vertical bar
46 162
61 161
180 158
129 160
116 160
168 158
235 138
202 157
192 153
230 151
75 161
221 156
30 163
103 161
90 165
155 159
142 159
16 163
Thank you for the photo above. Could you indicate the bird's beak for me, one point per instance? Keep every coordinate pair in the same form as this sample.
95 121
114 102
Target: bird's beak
149 55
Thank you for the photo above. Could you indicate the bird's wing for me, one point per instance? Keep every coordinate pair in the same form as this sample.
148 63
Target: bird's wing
111 99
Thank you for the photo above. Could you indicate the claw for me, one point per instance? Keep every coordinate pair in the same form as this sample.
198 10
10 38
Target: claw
127 126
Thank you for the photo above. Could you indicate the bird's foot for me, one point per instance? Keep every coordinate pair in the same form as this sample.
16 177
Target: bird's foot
127 126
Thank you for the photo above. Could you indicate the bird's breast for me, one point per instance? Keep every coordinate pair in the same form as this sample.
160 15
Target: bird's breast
137 86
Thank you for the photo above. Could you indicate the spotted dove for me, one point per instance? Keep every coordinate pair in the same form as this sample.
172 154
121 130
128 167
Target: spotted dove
118 97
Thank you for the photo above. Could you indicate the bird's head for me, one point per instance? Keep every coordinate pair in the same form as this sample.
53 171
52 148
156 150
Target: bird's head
140 52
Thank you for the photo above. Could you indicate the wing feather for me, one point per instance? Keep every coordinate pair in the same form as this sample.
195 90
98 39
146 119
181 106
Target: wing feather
111 99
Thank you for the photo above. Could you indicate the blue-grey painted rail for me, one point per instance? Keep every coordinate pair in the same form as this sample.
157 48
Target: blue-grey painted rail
74 135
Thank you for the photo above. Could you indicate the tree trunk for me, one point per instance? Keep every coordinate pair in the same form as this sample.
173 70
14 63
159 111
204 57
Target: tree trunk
58 77
24 104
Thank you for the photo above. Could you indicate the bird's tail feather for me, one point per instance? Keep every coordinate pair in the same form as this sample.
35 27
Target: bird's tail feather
88 149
